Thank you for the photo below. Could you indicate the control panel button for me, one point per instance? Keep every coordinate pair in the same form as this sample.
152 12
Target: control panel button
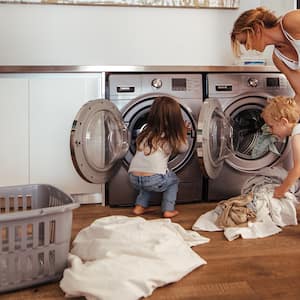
253 82
156 83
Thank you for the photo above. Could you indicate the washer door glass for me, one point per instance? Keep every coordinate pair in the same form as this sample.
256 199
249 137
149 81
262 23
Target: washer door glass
135 117
214 138
99 141
254 148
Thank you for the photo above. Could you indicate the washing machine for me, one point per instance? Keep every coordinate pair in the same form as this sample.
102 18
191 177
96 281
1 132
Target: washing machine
229 126
133 94
104 133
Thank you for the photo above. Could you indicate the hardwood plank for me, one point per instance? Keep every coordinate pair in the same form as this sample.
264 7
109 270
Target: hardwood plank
225 290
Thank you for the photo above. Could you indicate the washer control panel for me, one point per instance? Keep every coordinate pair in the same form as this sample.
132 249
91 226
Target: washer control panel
233 84
125 86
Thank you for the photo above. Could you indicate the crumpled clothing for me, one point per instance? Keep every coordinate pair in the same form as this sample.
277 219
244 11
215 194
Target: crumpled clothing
271 213
264 143
235 212
268 175
281 211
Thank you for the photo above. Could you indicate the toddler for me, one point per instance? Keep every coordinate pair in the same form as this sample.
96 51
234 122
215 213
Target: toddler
281 115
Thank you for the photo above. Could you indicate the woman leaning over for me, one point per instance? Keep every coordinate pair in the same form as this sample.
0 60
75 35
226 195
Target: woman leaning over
257 28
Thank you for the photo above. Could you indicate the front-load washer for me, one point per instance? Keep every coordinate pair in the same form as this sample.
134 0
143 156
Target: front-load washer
228 128
133 94
103 134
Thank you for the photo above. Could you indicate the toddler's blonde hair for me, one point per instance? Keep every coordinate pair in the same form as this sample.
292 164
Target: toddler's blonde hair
281 107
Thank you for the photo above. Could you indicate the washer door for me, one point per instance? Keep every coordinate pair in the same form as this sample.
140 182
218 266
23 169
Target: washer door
214 138
98 141
135 117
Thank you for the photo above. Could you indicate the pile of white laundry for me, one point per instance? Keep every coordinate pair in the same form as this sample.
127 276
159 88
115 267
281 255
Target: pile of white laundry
271 214
126 258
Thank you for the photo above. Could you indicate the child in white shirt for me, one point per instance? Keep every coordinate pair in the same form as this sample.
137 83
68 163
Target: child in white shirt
164 134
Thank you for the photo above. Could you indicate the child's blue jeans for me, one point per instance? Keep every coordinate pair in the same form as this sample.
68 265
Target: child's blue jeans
163 183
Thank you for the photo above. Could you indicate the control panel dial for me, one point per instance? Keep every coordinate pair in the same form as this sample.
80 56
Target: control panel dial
253 82
156 83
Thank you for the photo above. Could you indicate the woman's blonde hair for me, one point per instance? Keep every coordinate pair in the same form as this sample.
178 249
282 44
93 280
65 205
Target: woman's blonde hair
165 125
281 107
247 22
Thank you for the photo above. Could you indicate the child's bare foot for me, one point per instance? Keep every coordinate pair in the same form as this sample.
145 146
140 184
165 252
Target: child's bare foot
138 210
170 213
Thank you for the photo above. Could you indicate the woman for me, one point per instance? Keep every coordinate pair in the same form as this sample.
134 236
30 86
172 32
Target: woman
257 28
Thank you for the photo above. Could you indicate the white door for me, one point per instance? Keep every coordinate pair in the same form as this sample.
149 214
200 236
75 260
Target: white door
14 130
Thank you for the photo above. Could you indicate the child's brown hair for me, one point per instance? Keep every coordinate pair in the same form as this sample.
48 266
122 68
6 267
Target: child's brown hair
165 125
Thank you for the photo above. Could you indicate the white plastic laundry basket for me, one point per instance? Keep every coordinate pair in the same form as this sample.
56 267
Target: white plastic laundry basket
35 233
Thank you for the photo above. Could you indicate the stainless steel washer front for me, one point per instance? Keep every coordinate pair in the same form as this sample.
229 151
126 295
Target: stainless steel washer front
134 94
241 98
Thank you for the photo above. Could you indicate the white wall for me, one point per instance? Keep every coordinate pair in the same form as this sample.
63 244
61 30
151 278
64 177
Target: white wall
279 6
101 35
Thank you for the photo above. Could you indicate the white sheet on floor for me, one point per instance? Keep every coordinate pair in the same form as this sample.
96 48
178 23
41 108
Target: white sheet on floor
126 258
271 215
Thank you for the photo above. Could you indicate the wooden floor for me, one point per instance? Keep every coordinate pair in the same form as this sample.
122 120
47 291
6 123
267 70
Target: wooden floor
267 268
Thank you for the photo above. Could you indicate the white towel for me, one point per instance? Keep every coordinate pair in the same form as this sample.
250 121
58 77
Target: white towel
119 257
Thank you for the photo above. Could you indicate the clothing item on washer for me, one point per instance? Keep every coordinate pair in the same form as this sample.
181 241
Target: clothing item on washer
264 143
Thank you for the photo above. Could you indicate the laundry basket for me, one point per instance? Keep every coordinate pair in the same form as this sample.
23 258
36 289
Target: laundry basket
35 233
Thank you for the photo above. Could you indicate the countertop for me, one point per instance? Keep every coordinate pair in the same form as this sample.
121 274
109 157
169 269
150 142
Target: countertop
137 69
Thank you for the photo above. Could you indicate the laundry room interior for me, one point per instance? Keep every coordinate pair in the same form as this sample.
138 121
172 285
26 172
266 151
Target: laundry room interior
79 81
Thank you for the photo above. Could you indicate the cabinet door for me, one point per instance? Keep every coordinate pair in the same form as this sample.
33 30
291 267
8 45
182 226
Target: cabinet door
55 100
13 130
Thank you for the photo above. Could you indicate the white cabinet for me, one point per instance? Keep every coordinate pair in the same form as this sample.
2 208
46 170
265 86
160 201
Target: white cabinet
54 102
36 116
14 151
